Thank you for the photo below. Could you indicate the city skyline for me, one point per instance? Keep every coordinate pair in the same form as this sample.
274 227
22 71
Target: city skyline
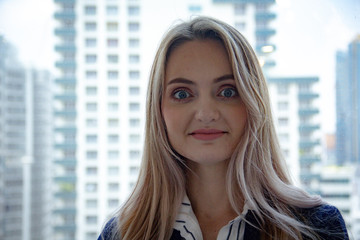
314 31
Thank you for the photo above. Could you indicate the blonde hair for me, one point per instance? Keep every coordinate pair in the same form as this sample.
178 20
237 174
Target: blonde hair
255 173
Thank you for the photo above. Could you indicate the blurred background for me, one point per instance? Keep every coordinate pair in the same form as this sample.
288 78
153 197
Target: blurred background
73 79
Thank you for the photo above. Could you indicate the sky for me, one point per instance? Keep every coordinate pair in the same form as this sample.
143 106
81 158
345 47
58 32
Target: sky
309 32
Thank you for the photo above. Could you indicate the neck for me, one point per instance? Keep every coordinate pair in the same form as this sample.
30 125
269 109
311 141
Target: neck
208 182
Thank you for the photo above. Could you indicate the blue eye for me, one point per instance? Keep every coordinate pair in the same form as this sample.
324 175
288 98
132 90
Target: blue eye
228 93
181 94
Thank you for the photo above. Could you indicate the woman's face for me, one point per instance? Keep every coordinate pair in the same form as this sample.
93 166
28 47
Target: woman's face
202 109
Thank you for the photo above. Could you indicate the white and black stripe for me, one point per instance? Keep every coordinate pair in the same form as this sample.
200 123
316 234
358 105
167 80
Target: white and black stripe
187 226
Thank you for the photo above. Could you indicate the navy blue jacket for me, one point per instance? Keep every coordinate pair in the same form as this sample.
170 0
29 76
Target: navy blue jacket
325 219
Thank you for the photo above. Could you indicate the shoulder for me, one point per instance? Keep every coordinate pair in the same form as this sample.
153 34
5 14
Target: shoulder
108 231
326 220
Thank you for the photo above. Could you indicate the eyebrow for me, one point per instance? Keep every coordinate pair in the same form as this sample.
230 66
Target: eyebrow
187 81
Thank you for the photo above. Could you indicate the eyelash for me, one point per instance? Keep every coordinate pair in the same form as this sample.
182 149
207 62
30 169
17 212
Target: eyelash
189 94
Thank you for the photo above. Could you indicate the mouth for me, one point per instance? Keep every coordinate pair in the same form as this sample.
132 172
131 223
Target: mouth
207 134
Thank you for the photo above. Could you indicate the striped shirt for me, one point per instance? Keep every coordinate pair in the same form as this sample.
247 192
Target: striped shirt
187 225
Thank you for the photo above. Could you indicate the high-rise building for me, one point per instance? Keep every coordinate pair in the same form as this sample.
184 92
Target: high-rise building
25 134
347 104
296 117
337 188
105 50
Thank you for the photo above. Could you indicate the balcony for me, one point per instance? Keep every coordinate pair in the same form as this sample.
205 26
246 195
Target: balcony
66 96
308 111
65 48
309 127
65 1
65 210
65 113
66 64
307 95
67 162
66 178
71 129
309 143
309 159
66 15
66 80
65 228
65 31
65 194
266 32
261 16
243 1
66 145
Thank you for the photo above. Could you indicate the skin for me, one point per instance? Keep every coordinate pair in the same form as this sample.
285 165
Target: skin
205 119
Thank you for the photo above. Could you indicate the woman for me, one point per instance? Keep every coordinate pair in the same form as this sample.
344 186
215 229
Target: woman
212 167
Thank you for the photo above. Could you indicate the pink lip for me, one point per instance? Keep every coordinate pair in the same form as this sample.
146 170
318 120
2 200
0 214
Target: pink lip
207 134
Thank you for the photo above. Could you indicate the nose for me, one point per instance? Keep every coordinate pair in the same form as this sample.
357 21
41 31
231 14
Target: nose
207 111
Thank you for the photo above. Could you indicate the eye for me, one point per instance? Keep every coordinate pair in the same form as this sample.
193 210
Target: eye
181 94
228 92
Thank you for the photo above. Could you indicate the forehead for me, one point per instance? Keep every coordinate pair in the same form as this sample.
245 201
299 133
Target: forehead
198 59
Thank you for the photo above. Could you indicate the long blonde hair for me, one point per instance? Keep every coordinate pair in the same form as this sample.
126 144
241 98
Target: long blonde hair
255 173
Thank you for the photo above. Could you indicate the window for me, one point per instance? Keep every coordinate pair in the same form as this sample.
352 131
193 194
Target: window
112 42
91 122
283 121
134 138
91 74
112 203
282 106
111 10
91 138
114 171
134 58
134 26
283 89
113 187
112 26
91 187
134 170
113 91
113 122
240 26
134 122
90 58
284 137
134 154
113 138
113 154
91 155
90 10
91 203
240 9
112 58
91 235
91 107
112 75
134 107
134 10
134 42
90 42
113 107
90 26
91 91
134 75
91 171
91 219
134 91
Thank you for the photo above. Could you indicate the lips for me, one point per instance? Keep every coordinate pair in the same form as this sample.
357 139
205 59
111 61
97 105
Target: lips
207 134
